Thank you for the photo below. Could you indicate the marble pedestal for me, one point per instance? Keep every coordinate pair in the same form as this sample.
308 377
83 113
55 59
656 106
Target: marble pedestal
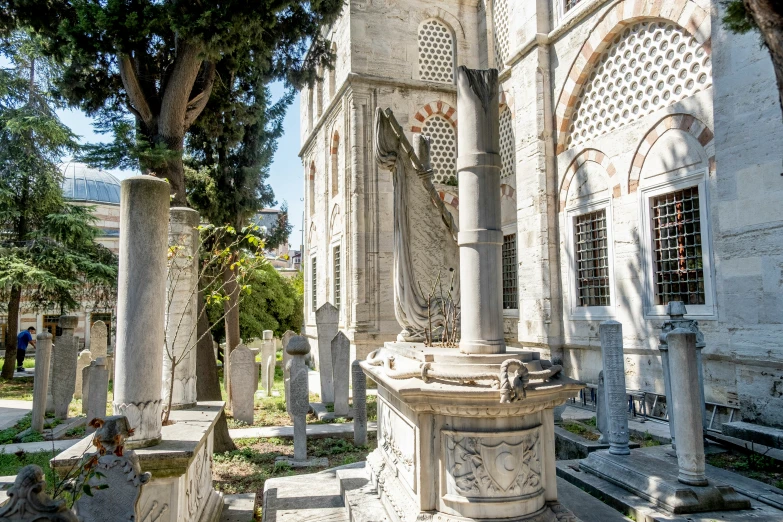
449 450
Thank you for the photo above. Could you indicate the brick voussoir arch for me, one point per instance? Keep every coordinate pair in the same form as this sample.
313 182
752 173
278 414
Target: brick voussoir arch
685 13
684 122
436 107
580 159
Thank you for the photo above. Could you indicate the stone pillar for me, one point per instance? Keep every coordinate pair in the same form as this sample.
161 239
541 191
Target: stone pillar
299 404
286 369
600 408
326 324
141 306
687 412
181 308
244 379
480 235
611 334
341 357
82 362
99 339
85 378
268 362
98 386
359 380
43 355
64 361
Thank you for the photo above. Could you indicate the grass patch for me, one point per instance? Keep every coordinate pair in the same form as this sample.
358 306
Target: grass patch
590 422
10 464
8 434
577 428
29 362
645 442
247 468
17 389
751 465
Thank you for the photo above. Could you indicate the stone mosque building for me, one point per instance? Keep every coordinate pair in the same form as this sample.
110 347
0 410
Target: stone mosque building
641 149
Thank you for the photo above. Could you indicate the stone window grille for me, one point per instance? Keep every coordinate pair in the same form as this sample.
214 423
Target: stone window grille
509 255
570 4
648 66
335 167
500 22
436 52
678 263
314 284
443 148
508 156
336 267
592 259
311 191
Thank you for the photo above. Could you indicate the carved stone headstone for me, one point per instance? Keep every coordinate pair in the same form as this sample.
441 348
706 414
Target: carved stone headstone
28 501
85 373
98 385
611 334
286 358
99 339
64 361
244 379
326 319
84 360
298 347
600 408
43 356
267 362
341 355
359 404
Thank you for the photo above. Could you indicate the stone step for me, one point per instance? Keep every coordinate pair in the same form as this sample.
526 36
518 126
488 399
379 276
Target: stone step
359 496
238 508
770 437
585 506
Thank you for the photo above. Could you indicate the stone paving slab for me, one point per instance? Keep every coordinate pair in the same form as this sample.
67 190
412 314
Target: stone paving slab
238 508
585 506
34 447
315 431
658 430
771 437
11 411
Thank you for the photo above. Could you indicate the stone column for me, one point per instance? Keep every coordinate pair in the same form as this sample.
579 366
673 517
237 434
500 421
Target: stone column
98 390
43 355
181 305
242 365
480 234
359 380
141 306
286 370
341 357
687 412
611 334
326 324
268 362
298 348
600 408
64 361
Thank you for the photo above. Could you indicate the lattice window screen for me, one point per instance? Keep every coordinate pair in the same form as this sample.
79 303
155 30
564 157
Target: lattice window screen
336 265
443 147
436 52
648 66
314 284
508 155
500 21
509 254
592 259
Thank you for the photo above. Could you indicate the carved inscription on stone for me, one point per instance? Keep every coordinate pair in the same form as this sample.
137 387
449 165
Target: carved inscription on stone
502 465
397 441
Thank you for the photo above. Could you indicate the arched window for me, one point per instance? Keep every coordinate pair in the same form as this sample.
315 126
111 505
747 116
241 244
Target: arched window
311 192
436 52
335 175
500 23
443 148
508 155
648 66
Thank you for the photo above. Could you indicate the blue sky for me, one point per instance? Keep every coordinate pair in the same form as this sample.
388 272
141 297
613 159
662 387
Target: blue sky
285 175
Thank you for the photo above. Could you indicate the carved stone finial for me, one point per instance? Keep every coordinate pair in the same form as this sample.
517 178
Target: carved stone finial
111 434
483 83
28 501
298 345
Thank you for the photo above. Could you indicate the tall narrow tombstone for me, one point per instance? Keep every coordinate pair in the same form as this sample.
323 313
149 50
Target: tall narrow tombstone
298 348
359 404
326 319
286 370
64 361
141 306
480 235
687 410
600 408
181 308
84 360
85 374
99 340
244 379
98 390
43 356
268 362
341 368
611 334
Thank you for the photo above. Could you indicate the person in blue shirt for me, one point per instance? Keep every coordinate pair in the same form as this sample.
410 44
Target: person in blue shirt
25 338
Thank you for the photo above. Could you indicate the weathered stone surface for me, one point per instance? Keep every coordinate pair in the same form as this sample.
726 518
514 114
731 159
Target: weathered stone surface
600 408
43 356
64 361
359 382
326 318
286 370
341 355
98 385
611 334
299 404
84 360
268 357
772 437
244 378
99 339
29 502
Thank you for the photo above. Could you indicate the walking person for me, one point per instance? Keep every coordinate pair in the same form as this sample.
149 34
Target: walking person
25 338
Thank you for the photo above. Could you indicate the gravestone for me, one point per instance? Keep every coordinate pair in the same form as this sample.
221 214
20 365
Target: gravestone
286 370
84 360
43 356
600 408
99 340
244 379
611 334
267 362
326 325
359 380
85 387
29 502
98 386
341 355
63 369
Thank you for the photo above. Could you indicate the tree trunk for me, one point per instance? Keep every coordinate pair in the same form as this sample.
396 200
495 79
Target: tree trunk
231 309
207 381
768 15
14 303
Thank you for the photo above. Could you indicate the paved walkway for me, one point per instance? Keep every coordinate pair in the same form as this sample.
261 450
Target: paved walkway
657 429
11 411
344 430
34 447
